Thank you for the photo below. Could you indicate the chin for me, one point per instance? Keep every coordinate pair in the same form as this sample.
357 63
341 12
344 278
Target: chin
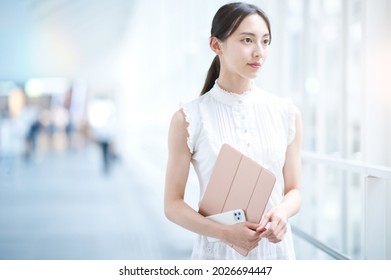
252 76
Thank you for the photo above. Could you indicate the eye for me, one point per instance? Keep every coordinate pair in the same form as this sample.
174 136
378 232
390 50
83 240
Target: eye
266 41
247 40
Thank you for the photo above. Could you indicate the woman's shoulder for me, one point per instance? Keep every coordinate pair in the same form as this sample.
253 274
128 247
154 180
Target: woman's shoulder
190 110
189 115
193 105
199 99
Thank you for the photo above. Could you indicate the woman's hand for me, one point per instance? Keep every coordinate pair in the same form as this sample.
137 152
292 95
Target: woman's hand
278 220
243 235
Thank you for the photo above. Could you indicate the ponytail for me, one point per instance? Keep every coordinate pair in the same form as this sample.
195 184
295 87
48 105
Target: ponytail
213 74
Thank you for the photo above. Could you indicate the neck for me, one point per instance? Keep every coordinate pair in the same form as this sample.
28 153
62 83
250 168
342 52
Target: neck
238 85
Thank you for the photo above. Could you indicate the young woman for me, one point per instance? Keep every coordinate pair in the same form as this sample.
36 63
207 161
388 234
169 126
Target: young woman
232 110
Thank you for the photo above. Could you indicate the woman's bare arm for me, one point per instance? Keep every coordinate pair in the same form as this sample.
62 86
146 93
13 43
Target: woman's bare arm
291 203
178 211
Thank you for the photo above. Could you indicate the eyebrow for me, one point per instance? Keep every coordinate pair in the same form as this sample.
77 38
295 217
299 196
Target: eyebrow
252 34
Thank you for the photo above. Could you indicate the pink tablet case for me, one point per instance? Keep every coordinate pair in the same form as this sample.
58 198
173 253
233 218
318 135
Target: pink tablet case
237 182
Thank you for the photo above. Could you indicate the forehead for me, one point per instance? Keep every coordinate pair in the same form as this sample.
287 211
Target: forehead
253 24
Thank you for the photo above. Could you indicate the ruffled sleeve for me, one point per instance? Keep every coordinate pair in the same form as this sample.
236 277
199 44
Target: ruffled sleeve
191 111
292 112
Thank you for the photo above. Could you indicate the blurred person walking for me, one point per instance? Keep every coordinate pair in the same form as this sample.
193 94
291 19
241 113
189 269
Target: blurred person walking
101 115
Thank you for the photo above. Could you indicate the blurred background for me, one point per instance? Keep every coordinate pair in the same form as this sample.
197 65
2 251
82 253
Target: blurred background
87 91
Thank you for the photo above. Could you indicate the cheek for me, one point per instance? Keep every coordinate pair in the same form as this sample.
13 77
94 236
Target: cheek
265 53
246 56
242 54
239 60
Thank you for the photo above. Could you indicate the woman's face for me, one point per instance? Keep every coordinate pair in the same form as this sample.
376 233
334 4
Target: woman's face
245 50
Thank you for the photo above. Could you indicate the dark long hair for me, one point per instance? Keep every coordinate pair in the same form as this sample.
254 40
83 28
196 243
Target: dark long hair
225 22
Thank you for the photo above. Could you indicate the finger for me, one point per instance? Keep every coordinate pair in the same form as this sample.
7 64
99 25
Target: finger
276 236
252 226
264 221
269 230
266 234
276 239
260 230
280 230
274 226
281 234
255 237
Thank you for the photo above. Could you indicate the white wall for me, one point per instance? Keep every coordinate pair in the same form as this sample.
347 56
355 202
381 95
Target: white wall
314 55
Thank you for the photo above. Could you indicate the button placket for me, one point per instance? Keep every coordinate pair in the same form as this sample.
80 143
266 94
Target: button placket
240 113
247 132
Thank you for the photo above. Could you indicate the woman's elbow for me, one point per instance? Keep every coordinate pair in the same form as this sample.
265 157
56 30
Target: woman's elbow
169 210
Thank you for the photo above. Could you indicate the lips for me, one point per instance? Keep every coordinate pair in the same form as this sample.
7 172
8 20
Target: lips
255 65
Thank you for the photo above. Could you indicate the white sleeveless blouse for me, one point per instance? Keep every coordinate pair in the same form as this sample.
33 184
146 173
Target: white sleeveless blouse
258 124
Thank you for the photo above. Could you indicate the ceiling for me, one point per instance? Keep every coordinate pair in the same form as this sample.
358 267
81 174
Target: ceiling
59 37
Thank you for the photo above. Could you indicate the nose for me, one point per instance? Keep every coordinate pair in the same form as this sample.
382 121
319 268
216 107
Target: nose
259 50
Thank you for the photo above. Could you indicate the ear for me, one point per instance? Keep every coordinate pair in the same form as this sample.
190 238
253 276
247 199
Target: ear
215 45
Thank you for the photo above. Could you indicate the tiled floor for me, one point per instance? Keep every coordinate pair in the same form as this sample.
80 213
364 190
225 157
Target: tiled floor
60 206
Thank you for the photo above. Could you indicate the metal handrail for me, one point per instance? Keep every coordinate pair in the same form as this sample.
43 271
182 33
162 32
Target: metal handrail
349 165
367 170
318 244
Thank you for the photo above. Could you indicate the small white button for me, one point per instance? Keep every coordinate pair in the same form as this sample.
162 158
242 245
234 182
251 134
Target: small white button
240 102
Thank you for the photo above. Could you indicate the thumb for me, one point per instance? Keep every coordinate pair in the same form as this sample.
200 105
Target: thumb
264 221
252 226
